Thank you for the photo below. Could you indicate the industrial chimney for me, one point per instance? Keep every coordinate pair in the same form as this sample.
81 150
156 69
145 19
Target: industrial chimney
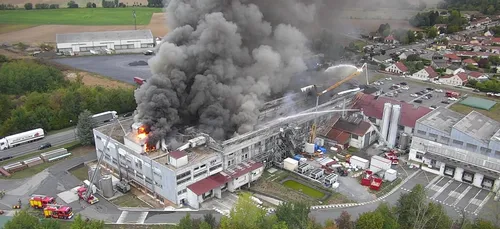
393 129
386 119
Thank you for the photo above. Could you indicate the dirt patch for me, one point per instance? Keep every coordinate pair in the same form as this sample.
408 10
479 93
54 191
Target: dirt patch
90 79
158 25
5 28
14 55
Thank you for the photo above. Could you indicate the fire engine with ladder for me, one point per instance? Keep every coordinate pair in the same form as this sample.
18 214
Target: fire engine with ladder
58 211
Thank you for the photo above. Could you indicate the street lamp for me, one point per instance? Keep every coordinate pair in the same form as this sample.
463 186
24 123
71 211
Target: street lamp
74 129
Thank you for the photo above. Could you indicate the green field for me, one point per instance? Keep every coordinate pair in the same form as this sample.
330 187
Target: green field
80 16
304 189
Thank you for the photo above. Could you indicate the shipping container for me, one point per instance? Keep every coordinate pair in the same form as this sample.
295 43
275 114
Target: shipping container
33 161
54 153
359 162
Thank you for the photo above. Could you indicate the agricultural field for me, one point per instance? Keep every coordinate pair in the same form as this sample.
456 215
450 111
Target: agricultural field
80 16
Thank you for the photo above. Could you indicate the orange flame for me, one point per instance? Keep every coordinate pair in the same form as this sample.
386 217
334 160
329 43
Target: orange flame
142 133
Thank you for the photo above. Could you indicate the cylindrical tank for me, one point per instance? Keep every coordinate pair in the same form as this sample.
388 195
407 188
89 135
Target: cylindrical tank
404 140
98 176
106 185
386 120
393 128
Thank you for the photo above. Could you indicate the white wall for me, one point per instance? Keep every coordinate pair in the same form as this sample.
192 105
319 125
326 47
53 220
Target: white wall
76 47
452 81
393 69
420 75
192 199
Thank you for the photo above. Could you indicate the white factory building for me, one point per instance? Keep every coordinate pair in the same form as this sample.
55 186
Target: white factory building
100 41
463 147
201 168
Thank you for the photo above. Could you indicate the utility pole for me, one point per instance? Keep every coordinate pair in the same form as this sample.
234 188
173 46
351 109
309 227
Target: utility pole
135 20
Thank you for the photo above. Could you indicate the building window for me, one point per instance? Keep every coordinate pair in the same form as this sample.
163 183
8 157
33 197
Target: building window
215 167
114 161
445 139
138 164
149 181
182 175
434 136
419 155
107 157
497 153
183 181
244 157
355 137
157 174
420 132
471 147
485 150
182 191
199 174
457 142
244 150
213 162
98 137
139 174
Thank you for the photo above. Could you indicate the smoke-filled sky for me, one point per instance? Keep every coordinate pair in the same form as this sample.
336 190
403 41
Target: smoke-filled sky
224 58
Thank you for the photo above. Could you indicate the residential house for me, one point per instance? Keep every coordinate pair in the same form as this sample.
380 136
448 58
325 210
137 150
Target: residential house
398 68
390 39
382 59
353 131
439 63
477 76
459 79
427 73
488 34
439 47
453 70
452 58
404 55
478 23
495 40
469 61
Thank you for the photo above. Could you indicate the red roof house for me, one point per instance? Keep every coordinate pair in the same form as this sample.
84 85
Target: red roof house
469 61
431 72
453 57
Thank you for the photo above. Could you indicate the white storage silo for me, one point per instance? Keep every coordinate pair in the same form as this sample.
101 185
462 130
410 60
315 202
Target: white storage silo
404 140
393 127
386 119
98 176
106 184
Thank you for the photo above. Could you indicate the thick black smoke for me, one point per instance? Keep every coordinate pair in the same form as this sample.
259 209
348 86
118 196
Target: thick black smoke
220 62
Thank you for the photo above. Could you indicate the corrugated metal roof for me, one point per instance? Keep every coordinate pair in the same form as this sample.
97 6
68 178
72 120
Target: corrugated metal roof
103 36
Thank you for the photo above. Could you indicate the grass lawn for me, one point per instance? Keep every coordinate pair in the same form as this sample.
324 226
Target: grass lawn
304 189
493 113
129 200
7 28
80 16
80 172
28 172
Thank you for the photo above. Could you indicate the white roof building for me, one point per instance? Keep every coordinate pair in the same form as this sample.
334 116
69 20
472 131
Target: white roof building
86 41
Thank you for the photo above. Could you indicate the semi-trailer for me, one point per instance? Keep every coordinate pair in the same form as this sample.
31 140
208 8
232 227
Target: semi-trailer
21 138
104 117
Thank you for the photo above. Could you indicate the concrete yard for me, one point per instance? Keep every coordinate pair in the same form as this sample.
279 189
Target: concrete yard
114 66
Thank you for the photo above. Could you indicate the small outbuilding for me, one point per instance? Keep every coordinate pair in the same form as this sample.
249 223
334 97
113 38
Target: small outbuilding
101 41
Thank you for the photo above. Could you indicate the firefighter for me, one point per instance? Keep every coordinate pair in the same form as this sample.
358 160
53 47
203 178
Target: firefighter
2 194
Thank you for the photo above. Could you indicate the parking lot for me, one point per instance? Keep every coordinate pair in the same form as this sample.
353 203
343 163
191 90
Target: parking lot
455 196
419 98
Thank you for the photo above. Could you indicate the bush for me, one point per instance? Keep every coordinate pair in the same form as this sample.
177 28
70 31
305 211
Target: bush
40 6
72 4
28 6
54 6
89 4
7 7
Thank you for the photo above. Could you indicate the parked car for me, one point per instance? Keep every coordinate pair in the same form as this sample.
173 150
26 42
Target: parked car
405 88
433 107
403 83
452 99
430 89
149 53
418 101
413 95
475 90
388 78
45 146
127 114
438 90
419 93
429 95
390 94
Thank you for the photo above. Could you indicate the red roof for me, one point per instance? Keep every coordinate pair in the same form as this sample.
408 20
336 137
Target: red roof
177 154
357 129
462 76
452 56
431 72
469 61
495 39
339 136
476 74
208 183
219 179
375 108
401 66
446 76
389 38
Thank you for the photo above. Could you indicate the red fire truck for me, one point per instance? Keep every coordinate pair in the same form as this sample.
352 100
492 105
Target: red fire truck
41 201
139 80
82 192
452 94
58 211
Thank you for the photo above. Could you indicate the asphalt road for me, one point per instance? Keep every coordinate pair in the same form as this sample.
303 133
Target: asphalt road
56 139
114 66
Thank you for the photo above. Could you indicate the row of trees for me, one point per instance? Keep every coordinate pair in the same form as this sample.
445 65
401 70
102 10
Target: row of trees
489 7
40 6
7 7
491 85
111 4
454 21
29 220
412 210
33 95
495 30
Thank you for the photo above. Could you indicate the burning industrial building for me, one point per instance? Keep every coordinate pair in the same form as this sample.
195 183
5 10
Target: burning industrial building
218 66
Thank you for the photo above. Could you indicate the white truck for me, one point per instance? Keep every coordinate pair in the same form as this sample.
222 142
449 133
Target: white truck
21 138
104 117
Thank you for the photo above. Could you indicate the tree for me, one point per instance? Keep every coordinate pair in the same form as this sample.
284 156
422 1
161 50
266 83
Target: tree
22 220
185 222
94 5
50 224
419 36
79 223
370 220
84 128
116 2
344 221
244 215
210 220
484 63
494 60
411 36
294 214
28 6
388 213
72 4
330 224
89 4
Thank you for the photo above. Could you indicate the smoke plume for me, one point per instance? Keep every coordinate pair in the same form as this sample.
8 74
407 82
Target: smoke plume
221 61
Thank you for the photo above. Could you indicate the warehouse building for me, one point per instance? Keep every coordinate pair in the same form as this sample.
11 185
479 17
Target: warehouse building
464 147
201 168
100 41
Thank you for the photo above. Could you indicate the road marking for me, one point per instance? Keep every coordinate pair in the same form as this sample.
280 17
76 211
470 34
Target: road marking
122 218
142 218
473 198
462 195
433 181
442 189
435 184
483 203
460 184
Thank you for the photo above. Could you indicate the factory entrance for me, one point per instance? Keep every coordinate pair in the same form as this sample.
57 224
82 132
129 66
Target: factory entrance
449 171
468 177
487 183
